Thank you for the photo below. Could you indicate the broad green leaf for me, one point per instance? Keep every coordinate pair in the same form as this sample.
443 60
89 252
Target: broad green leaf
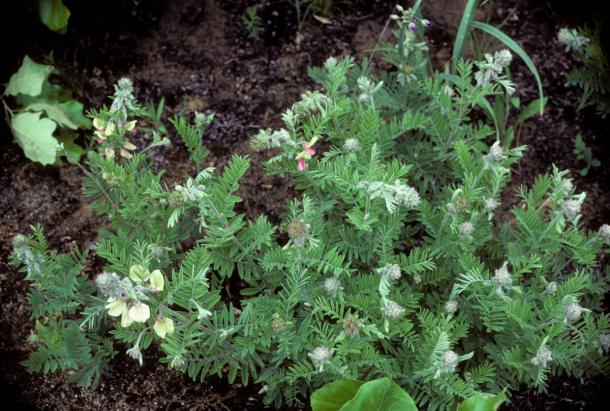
29 79
463 32
65 114
483 402
73 151
53 14
332 396
510 43
380 395
35 136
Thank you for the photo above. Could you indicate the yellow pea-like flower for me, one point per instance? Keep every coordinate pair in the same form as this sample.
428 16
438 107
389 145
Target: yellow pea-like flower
163 326
139 312
156 281
116 308
138 273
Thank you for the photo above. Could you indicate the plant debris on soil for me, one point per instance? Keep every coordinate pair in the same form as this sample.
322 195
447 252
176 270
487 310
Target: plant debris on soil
197 56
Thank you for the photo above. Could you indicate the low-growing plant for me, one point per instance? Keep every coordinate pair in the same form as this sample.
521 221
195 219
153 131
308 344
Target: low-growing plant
584 153
592 76
252 22
394 262
46 119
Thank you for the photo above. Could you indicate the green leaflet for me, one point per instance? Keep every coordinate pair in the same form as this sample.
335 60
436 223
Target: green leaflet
29 79
54 14
483 402
352 395
35 136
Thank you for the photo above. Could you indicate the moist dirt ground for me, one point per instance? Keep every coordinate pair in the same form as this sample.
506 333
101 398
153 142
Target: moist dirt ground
196 54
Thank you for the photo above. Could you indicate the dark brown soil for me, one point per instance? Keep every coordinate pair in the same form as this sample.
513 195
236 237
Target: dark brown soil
197 55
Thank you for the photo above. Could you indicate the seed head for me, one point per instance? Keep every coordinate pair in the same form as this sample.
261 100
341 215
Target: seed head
351 326
298 231
278 325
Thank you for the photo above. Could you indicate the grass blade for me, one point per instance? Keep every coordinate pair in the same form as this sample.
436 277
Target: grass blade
463 32
511 44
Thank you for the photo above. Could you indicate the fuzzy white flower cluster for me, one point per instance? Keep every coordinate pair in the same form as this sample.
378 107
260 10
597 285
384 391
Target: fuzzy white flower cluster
368 89
572 39
189 192
451 307
551 288
573 311
24 253
406 195
496 152
492 68
466 229
392 271
320 356
490 204
401 194
393 311
501 277
571 208
543 356
351 145
604 344
267 139
604 233
332 286
449 361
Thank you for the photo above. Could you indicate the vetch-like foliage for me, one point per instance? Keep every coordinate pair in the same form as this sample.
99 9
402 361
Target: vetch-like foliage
395 262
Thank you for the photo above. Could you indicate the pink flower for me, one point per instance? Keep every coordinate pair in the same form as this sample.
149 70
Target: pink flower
306 154
310 150
301 164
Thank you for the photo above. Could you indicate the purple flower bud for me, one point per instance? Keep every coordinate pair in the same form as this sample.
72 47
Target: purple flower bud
426 23
413 27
